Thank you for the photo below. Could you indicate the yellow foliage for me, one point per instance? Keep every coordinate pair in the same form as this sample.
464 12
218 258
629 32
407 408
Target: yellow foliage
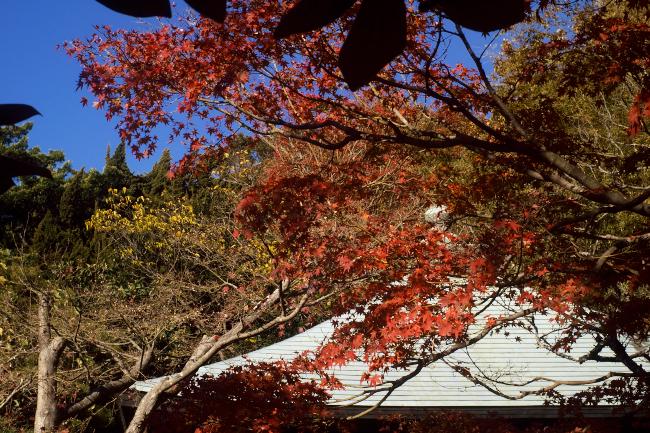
139 216
157 225
145 231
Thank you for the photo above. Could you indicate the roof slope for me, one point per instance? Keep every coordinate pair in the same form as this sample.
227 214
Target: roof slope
513 356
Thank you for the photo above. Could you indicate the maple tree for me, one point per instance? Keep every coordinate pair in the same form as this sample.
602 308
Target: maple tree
544 198
378 33
232 402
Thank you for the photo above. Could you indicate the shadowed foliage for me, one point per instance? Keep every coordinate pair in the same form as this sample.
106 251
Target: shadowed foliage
480 16
213 9
14 113
377 36
309 15
12 166
270 398
143 9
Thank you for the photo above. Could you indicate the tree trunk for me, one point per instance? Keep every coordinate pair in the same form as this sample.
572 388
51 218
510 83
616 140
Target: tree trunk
50 350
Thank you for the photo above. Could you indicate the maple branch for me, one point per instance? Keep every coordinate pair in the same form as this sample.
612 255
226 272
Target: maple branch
432 55
621 353
284 285
582 217
352 134
593 354
424 140
603 258
593 190
627 240
364 395
488 85
325 297
421 363
554 383
451 101
555 178
480 335
393 386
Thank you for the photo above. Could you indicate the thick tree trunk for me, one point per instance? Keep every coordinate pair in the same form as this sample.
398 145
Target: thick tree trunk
50 350
48 360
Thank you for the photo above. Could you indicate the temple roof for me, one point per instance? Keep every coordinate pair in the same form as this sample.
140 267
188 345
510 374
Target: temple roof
505 360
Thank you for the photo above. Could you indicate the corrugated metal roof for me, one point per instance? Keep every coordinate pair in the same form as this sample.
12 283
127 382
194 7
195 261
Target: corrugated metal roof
514 356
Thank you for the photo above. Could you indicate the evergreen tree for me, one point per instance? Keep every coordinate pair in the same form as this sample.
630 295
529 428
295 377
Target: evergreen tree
157 181
47 236
116 171
24 206
72 211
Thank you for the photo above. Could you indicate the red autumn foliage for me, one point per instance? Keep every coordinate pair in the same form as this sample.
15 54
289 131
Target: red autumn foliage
258 398
535 217
378 34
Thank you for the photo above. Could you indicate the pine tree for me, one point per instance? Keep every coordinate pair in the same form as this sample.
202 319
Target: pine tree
157 181
47 236
72 211
116 171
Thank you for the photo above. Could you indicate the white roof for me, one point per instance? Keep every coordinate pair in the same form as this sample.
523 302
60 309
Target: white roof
513 356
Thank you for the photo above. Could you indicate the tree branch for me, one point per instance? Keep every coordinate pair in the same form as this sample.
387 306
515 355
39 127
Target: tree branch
170 383
110 389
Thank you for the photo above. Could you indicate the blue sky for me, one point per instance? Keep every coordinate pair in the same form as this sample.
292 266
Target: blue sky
35 72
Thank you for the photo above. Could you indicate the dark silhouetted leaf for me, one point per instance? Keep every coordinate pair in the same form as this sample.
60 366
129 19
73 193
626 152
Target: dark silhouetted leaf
482 16
377 36
140 8
14 113
308 15
213 9
13 166
5 183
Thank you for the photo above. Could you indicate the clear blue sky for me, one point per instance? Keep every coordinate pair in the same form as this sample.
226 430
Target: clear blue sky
35 72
